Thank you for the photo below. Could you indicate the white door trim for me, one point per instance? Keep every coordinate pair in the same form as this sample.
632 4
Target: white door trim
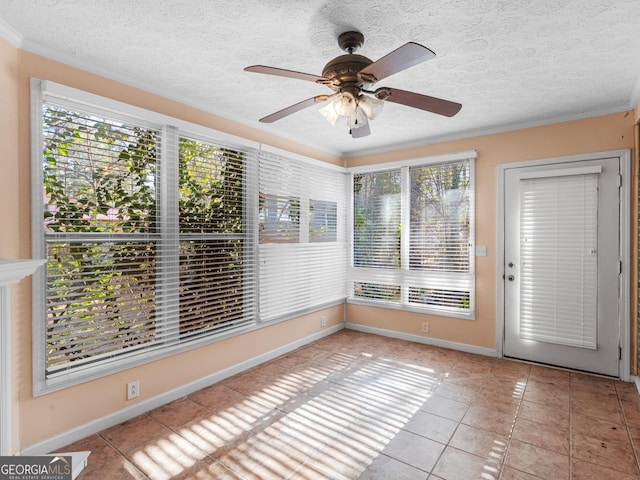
625 245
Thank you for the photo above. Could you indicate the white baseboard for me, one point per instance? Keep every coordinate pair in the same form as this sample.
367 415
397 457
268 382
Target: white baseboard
636 382
78 433
436 342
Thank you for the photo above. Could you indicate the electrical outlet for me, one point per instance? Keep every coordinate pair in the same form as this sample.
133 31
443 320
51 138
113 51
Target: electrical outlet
425 327
133 389
323 321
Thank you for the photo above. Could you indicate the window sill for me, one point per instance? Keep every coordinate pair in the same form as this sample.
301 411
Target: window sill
440 312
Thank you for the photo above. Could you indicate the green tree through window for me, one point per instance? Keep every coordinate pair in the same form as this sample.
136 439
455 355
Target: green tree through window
109 246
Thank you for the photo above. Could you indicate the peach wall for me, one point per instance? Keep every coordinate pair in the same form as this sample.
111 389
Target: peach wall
9 145
9 241
38 419
44 417
608 132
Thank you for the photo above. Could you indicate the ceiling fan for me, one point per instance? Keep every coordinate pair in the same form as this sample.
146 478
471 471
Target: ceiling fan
352 77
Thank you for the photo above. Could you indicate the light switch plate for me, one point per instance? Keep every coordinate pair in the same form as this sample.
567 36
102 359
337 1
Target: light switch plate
481 250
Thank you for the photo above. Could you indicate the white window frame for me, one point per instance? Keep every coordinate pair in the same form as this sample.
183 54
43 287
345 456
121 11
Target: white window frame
171 128
405 277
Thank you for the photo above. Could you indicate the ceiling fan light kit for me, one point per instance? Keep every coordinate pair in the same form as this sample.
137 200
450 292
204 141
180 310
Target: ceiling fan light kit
352 76
358 111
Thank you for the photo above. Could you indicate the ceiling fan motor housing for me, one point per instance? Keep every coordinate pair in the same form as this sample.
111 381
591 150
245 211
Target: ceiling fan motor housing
343 71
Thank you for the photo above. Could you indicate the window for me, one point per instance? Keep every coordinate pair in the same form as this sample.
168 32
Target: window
413 237
148 235
279 219
302 246
377 220
323 221
99 223
161 236
215 269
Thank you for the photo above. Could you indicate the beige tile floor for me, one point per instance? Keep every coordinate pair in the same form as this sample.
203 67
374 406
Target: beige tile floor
361 406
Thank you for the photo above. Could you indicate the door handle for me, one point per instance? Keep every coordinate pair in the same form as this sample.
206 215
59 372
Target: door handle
511 278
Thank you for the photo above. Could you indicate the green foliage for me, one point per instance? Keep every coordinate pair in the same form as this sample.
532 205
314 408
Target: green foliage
440 297
211 188
100 178
374 291
211 197
440 217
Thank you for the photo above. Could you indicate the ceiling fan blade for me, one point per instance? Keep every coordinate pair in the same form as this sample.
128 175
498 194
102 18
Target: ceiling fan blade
417 100
296 107
360 132
400 59
280 72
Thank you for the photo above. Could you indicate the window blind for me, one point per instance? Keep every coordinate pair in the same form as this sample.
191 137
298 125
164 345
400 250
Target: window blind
217 257
302 247
100 236
439 235
413 237
150 238
377 220
559 260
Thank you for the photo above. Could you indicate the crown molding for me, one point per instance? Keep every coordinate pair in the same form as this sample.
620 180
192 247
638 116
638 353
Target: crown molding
503 128
10 34
634 98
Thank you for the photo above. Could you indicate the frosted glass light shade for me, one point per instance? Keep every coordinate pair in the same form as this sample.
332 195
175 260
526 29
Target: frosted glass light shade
371 106
329 113
357 112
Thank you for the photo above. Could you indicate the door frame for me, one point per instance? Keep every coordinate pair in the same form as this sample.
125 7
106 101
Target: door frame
625 245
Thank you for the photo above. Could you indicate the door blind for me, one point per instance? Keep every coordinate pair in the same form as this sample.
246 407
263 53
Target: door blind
559 259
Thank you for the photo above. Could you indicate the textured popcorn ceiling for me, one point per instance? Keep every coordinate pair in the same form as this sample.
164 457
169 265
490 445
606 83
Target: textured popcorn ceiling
511 63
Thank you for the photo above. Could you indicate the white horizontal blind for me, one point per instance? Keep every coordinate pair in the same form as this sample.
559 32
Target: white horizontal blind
101 236
559 260
413 237
439 235
302 246
217 258
377 218
150 240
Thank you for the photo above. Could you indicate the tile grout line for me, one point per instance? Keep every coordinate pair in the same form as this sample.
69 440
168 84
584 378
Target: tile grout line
510 437
449 440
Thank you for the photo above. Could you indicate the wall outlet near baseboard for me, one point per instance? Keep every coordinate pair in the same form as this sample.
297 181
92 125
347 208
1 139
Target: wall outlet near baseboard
133 389
323 321
425 327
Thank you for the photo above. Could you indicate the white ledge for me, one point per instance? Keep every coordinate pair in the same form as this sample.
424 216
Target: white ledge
12 271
